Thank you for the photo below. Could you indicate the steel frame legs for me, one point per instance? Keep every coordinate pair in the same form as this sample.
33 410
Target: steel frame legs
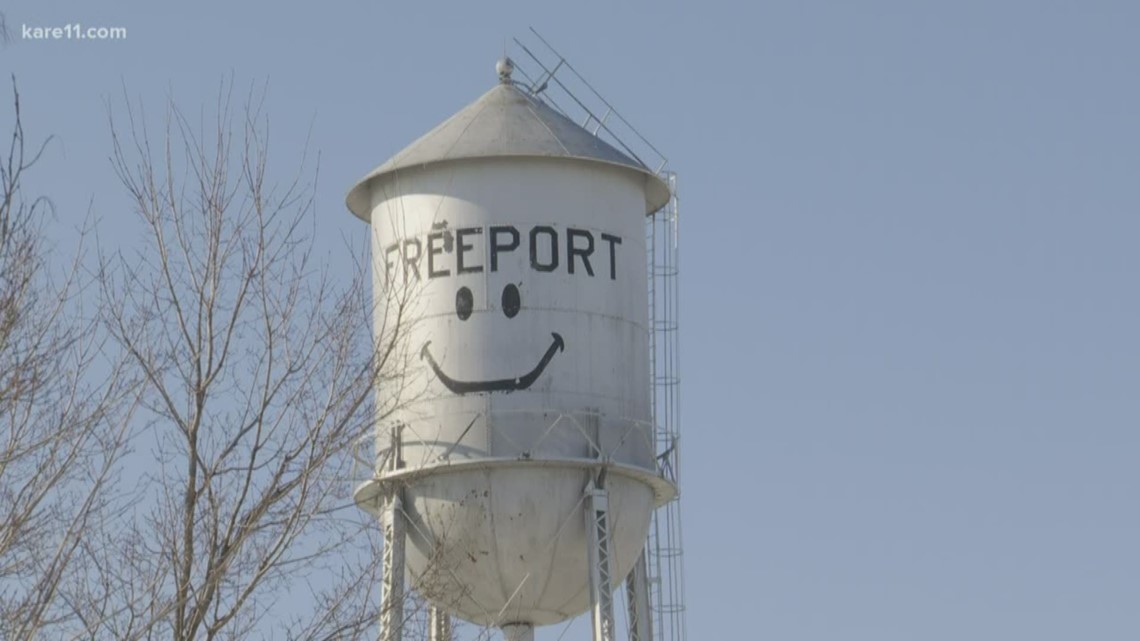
637 591
598 556
439 625
392 574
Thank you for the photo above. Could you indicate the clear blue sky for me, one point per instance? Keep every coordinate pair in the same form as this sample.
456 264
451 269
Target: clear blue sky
911 273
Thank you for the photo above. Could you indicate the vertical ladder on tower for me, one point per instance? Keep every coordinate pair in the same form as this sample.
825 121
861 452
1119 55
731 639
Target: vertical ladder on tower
664 547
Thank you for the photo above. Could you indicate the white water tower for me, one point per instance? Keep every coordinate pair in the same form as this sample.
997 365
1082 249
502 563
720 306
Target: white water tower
517 480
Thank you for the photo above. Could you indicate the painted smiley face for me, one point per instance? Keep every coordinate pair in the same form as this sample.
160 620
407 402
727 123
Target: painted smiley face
511 304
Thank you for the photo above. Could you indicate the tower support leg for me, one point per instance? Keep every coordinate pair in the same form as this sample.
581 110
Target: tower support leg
637 590
439 625
598 556
392 573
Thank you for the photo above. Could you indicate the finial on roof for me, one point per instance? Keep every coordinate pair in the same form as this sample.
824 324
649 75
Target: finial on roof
504 67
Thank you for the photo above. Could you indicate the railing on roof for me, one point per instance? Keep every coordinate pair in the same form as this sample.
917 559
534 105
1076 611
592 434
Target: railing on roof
552 78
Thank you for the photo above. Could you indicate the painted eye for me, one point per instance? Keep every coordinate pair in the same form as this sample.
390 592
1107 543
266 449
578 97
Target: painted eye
511 300
464 301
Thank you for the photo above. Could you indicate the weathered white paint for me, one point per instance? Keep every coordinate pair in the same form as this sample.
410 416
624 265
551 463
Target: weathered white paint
495 478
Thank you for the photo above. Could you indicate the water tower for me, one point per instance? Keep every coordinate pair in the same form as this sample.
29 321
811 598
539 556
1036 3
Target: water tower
516 481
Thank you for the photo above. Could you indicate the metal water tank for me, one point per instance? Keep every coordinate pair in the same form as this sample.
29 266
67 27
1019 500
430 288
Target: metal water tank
511 244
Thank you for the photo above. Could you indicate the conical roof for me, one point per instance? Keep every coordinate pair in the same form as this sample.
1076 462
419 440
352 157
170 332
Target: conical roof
506 122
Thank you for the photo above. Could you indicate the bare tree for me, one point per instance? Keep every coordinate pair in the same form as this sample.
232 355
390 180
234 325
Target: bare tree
260 376
64 412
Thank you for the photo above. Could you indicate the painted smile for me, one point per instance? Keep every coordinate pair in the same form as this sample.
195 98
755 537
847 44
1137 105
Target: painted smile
500 385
